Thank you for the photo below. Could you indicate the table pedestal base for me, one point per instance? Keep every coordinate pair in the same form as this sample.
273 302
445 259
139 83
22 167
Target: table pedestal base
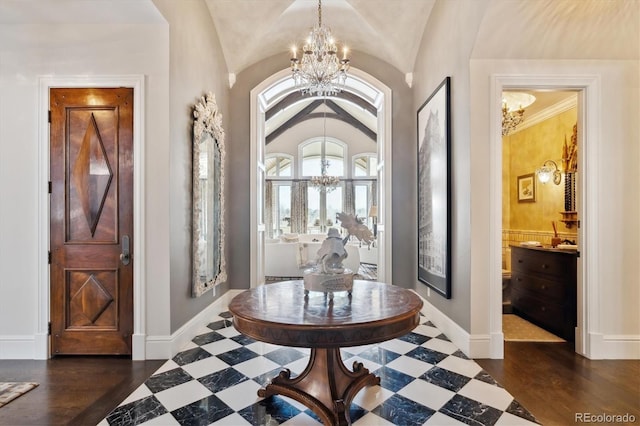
326 385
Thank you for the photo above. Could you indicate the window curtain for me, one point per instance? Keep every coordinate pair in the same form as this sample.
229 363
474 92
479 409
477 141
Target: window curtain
268 207
348 198
299 207
374 193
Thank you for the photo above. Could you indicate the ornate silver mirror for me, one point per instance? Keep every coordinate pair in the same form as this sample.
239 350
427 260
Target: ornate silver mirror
209 266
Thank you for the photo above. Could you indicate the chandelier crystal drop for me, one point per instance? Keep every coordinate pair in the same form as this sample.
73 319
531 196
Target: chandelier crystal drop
319 71
325 182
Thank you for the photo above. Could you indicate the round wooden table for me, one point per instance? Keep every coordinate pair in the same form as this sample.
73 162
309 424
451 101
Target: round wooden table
281 314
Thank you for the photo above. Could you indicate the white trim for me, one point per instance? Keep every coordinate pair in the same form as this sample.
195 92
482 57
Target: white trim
383 102
458 336
166 347
614 346
137 82
588 320
18 347
545 114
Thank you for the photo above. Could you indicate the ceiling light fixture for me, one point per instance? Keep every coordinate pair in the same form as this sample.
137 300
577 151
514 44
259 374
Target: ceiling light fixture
513 105
324 182
319 71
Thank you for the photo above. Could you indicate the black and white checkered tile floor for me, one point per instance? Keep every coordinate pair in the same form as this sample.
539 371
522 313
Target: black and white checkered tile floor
425 380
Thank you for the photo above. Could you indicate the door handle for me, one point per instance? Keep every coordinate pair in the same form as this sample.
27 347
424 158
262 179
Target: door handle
125 256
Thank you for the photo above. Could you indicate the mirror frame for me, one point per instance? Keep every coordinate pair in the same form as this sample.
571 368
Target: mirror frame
207 124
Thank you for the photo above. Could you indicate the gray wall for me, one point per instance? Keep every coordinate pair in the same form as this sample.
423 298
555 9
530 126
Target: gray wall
196 66
403 167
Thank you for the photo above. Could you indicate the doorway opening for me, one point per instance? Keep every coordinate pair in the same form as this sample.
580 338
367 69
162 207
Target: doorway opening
539 216
587 309
286 148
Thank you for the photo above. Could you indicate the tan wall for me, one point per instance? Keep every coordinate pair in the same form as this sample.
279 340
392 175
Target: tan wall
523 153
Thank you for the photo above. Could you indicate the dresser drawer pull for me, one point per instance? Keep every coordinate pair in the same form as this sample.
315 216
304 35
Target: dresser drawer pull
545 266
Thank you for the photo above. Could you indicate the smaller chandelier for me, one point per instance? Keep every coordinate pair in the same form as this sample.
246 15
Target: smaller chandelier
319 71
512 116
324 182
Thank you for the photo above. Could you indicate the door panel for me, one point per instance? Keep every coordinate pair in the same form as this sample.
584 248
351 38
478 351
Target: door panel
91 211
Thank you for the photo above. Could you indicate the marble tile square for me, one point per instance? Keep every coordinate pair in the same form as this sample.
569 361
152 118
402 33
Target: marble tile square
392 379
298 366
262 348
191 355
470 412
164 420
398 346
487 394
427 394
355 412
466 367
415 338
202 412
236 356
516 409
181 395
205 366
483 376
234 419
256 366
242 339
302 419
371 419
445 379
508 419
228 332
203 339
270 411
136 412
264 379
403 411
219 324
368 364
169 365
168 379
439 419
372 396
410 366
225 314
223 379
378 355
427 330
427 355
221 346
284 356
241 395
441 346
140 393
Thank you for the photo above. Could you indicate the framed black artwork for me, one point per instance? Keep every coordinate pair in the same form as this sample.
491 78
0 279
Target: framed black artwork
434 190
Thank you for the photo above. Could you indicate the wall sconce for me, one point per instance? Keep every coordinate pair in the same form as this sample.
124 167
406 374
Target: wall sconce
549 171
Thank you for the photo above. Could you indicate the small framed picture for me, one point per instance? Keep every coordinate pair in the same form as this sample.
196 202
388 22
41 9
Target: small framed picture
527 188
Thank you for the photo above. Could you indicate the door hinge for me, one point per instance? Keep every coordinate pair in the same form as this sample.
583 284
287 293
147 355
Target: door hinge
50 187
49 329
49 257
577 254
49 116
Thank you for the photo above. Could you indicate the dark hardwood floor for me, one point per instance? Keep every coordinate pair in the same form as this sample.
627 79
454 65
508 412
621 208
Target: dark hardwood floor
549 379
555 384
72 390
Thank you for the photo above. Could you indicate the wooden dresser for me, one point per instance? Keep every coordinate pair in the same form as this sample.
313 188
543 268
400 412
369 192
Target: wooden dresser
543 288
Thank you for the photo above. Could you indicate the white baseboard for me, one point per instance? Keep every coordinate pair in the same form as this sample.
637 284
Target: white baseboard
472 345
613 346
17 347
165 347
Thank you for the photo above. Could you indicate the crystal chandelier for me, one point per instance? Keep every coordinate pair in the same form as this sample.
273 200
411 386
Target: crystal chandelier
319 71
512 116
325 182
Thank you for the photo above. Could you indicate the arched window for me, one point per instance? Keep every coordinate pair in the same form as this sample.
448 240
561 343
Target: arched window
279 165
365 165
315 150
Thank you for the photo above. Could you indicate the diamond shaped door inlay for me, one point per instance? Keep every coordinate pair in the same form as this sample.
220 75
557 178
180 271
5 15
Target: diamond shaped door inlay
92 174
90 300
